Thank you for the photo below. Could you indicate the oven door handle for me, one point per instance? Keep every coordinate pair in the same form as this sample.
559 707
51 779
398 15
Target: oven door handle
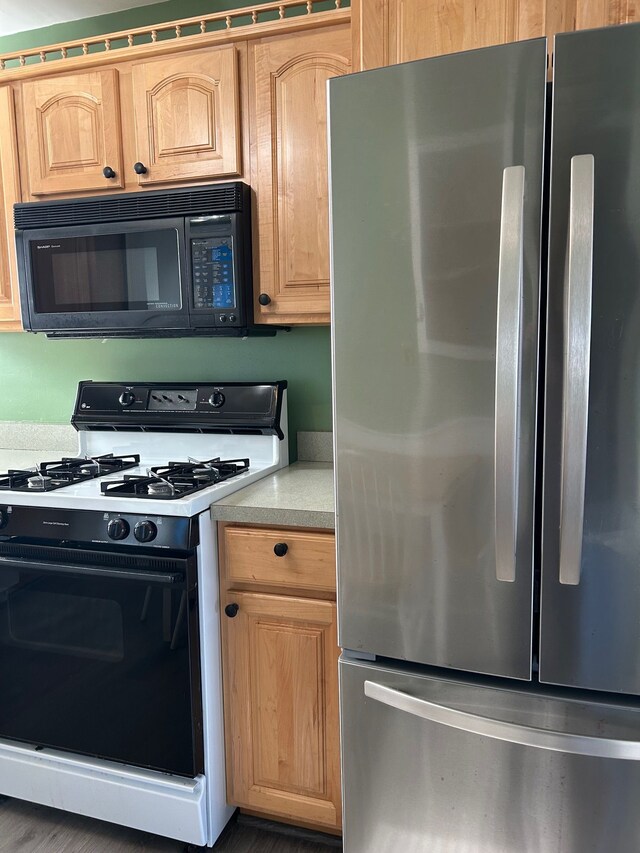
159 578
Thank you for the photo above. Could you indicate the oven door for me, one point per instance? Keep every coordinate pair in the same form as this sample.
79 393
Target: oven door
99 655
112 278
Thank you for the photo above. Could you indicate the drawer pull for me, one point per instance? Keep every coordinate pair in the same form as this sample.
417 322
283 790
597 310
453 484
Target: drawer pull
232 610
280 549
139 168
108 172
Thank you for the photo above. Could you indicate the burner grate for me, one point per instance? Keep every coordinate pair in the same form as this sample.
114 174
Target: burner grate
175 480
49 476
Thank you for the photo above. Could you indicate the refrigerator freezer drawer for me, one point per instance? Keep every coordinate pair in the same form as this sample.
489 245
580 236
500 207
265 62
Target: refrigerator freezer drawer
436 765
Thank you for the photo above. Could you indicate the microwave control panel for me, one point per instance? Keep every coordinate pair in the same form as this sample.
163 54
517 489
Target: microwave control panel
213 276
215 256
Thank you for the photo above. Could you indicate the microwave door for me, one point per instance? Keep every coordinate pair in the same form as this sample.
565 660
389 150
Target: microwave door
115 277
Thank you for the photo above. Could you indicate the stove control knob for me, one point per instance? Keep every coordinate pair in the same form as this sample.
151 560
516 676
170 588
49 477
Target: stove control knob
145 531
127 398
118 528
217 399
4 517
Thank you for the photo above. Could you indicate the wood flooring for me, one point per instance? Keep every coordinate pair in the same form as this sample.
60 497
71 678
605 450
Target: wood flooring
28 828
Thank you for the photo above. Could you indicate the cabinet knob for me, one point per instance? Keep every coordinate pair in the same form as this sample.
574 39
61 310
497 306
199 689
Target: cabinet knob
231 610
280 549
108 172
264 299
139 168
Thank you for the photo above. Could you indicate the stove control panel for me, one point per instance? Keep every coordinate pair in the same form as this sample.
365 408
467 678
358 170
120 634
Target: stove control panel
172 400
208 406
105 528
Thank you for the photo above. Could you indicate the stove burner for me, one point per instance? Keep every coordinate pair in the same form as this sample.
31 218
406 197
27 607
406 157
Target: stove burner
175 480
159 489
48 476
39 482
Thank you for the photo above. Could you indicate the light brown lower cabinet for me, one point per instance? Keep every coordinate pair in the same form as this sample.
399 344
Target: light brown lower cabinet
280 671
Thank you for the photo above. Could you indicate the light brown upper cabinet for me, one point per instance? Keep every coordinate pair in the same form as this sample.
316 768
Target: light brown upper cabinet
187 117
386 32
72 132
561 16
175 119
289 171
9 194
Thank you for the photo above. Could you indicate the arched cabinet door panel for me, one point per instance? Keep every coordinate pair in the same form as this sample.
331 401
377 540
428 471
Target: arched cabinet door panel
73 133
187 120
289 128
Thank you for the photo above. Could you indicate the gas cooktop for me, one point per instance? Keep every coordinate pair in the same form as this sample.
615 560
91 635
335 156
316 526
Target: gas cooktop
237 428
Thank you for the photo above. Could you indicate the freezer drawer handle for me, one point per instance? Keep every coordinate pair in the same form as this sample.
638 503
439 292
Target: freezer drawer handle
596 747
508 365
577 359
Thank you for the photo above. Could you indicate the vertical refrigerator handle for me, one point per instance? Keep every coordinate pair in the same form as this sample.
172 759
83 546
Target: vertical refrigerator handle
508 364
577 359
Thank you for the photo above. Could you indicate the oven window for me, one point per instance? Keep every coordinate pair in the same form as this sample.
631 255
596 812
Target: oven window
60 623
129 271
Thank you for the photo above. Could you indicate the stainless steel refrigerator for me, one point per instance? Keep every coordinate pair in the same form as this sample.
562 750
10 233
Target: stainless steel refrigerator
486 356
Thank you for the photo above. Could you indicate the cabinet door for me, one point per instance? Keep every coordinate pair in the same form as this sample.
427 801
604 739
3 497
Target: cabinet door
186 113
569 15
9 194
281 707
72 132
386 32
422 28
290 146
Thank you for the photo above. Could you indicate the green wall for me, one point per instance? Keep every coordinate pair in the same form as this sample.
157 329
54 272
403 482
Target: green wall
38 377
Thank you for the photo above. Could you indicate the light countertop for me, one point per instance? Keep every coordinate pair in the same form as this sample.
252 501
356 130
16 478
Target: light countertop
28 458
23 445
298 496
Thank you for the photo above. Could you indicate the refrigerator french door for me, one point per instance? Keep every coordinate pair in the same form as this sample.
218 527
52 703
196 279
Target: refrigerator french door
590 628
486 355
436 168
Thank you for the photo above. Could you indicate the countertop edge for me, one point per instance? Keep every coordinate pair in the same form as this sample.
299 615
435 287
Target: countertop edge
274 517
299 495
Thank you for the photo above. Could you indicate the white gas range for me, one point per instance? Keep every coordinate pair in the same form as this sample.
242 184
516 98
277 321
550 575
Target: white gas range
109 603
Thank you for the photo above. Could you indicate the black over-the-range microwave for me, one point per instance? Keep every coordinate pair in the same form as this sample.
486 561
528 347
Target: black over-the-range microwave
145 264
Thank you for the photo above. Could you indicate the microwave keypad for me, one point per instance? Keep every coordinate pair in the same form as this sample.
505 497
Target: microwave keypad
212 265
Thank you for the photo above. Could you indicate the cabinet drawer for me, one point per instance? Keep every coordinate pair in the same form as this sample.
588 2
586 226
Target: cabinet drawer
309 561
